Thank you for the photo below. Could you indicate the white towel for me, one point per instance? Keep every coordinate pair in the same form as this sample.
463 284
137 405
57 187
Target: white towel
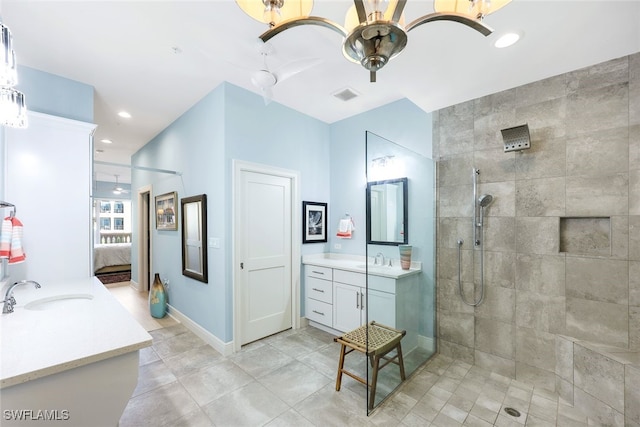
345 228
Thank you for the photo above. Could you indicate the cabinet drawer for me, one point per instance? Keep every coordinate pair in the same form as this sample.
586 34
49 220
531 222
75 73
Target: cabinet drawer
349 277
384 284
319 272
318 289
320 312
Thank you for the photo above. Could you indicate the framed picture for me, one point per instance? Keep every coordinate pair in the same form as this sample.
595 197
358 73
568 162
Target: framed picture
314 222
166 212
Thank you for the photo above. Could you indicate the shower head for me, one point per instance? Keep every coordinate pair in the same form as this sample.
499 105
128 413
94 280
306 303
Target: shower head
516 138
485 200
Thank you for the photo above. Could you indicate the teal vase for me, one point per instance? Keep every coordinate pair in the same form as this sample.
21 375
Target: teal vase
158 298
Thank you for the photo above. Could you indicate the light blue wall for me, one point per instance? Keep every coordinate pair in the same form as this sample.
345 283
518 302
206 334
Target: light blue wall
51 94
229 123
401 122
232 123
193 145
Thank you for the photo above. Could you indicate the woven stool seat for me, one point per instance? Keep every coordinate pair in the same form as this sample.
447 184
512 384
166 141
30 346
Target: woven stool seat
381 340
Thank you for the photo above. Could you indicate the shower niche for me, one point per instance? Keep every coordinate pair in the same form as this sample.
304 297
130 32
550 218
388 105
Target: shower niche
585 235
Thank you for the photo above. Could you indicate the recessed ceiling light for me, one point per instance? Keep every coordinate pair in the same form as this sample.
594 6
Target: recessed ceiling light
507 39
124 115
106 141
99 150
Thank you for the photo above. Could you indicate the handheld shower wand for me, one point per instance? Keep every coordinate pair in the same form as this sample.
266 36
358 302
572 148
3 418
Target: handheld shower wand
478 222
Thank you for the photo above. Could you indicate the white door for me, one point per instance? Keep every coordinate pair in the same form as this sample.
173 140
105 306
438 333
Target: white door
265 255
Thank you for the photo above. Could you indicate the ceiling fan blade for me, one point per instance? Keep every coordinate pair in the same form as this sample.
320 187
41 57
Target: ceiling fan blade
267 95
294 67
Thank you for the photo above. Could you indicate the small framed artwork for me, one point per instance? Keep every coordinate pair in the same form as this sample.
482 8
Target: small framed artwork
314 222
166 213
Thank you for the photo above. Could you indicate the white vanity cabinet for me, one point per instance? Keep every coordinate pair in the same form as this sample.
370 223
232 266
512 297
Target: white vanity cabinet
339 296
350 299
319 293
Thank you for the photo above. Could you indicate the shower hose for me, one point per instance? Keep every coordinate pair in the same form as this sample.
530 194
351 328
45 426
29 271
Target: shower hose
479 301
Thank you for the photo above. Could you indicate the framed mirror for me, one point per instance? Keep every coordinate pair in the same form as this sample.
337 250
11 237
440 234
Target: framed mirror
194 237
387 213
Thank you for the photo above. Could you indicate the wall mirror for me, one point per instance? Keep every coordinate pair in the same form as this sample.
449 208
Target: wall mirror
194 237
387 213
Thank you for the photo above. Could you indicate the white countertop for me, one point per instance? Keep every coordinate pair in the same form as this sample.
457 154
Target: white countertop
356 263
37 343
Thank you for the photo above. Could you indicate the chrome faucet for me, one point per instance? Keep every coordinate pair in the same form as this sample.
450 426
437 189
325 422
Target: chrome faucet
380 256
9 300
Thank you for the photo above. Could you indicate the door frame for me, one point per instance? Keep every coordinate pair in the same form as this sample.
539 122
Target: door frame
239 167
144 227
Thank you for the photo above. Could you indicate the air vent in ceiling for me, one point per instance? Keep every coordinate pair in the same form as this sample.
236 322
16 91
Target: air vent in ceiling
346 94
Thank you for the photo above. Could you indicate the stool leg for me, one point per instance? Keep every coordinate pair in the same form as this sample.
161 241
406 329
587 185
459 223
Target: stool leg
374 381
401 362
340 368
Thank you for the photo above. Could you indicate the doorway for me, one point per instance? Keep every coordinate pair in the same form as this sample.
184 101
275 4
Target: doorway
144 240
266 251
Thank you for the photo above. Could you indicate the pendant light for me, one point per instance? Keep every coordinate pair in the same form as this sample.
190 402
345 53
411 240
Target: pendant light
375 31
13 110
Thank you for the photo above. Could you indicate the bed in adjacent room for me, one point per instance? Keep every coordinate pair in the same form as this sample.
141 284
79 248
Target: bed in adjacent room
111 258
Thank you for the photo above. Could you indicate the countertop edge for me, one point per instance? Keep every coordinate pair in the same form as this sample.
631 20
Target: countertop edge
62 367
343 264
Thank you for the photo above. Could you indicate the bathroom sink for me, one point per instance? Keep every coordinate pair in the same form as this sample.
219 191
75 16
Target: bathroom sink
59 301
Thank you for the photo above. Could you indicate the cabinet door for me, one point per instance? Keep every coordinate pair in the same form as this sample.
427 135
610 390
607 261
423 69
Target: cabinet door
346 307
382 308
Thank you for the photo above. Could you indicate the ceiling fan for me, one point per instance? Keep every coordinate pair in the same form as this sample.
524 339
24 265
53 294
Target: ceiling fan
117 189
265 78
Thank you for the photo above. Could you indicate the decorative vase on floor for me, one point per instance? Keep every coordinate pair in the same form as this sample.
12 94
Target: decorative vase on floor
158 298
405 256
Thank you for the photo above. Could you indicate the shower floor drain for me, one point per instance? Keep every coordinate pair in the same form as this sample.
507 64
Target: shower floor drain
512 412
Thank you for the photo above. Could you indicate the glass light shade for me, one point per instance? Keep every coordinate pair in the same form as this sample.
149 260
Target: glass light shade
265 12
475 9
13 111
8 72
351 19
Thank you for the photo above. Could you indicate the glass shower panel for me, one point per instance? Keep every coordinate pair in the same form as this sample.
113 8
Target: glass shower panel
403 300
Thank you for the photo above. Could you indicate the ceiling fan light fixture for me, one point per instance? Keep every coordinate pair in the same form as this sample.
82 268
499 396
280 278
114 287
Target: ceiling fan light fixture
263 79
272 12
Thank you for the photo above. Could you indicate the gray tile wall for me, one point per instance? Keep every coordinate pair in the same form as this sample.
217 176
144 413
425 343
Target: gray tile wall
584 162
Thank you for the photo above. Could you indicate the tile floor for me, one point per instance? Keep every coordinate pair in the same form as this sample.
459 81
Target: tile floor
289 380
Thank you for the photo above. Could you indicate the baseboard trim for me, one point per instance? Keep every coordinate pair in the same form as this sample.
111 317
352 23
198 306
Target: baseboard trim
224 348
428 343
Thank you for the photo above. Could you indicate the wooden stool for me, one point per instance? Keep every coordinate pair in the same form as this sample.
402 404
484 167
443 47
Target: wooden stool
382 340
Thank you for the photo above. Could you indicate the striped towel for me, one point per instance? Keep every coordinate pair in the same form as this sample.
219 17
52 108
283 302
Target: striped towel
345 228
16 255
5 238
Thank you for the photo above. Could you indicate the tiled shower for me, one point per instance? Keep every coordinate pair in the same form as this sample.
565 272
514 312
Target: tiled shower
562 237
